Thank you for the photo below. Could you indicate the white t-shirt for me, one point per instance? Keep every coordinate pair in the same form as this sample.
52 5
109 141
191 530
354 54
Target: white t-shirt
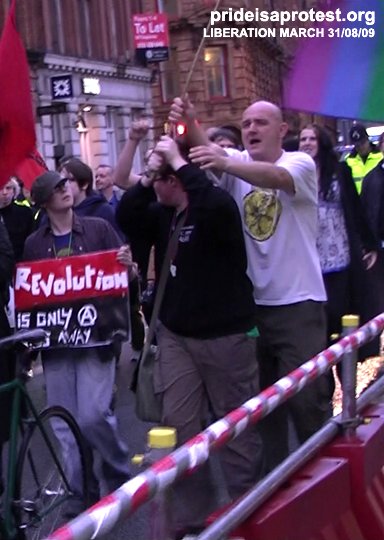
280 233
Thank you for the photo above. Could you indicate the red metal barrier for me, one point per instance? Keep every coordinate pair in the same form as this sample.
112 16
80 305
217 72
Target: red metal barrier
337 496
365 454
316 504
113 509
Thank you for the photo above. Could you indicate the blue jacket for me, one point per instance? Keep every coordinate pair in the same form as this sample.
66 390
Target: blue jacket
95 205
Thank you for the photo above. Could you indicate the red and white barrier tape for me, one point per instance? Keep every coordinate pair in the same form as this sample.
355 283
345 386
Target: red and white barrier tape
117 506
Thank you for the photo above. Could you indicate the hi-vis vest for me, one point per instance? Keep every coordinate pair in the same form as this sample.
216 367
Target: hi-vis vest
24 202
361 169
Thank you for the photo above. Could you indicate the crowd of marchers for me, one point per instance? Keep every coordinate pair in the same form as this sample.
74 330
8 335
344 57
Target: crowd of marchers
275 243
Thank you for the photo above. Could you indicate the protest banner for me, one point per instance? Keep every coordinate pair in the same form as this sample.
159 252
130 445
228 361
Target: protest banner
81 301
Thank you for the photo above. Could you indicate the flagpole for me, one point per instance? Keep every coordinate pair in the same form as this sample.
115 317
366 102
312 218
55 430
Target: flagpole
197 54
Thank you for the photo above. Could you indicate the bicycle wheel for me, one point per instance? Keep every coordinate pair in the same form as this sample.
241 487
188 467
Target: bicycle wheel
51 484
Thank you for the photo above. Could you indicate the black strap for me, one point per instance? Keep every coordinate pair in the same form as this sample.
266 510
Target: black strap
169 254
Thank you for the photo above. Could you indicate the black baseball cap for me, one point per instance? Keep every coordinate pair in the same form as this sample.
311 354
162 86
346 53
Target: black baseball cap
44 186
358 133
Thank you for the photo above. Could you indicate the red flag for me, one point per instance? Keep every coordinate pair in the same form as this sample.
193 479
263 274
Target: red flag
17 128
30 168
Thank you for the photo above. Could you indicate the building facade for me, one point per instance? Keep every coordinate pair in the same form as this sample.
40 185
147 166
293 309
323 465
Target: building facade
229 73
86 84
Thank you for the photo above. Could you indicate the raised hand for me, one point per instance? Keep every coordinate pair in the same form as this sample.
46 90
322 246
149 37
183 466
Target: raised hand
154 161
181 110
209 157
168 148
138 129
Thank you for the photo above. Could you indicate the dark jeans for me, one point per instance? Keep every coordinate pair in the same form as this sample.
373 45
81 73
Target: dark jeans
342 300
373 303
337 285
289 336
1 470
376 284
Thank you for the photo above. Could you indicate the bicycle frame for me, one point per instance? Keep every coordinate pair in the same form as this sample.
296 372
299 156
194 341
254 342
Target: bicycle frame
16 387
8 527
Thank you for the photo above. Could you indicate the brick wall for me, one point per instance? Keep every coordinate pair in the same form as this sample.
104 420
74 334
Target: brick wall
256 66
106 36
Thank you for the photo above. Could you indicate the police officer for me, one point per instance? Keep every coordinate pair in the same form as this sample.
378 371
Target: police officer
364 157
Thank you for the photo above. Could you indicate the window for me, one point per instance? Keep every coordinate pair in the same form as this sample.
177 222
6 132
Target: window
58 128
138 160
168 6
84 28
57 27
169 77
136 6
215 65
62 22
111 16
111 131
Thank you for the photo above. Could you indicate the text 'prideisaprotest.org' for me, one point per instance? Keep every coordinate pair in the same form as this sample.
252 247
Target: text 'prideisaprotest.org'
226 22
283 17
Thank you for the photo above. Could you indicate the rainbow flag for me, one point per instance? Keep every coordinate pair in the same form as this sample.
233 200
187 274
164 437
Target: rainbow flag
343 75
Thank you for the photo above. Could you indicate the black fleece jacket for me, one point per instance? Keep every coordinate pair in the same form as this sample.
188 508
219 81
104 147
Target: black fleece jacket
8 360
372 198
208 294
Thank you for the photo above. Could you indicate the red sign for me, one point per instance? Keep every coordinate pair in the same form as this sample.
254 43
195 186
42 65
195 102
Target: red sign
80 301
69 278
150 30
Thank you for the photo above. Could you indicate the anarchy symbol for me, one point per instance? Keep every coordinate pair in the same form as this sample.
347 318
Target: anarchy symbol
87 315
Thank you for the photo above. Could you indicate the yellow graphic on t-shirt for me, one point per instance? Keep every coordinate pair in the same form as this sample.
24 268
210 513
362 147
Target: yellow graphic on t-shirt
262 211
64 252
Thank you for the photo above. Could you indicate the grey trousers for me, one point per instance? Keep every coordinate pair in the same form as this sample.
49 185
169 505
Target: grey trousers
80 382
289 336
197 376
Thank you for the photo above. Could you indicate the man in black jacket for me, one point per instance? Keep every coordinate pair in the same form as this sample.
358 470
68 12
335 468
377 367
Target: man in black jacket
372 198
206 329
7 364
18 219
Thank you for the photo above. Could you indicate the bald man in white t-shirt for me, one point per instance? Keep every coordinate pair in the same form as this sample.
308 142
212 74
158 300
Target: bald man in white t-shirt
276 192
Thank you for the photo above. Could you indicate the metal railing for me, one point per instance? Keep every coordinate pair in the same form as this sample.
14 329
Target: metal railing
116 507
269 485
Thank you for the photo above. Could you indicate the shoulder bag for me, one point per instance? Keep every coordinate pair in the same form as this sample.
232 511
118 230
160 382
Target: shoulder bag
149 403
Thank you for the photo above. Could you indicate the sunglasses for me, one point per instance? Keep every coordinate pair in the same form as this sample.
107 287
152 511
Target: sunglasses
164 178
61 185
